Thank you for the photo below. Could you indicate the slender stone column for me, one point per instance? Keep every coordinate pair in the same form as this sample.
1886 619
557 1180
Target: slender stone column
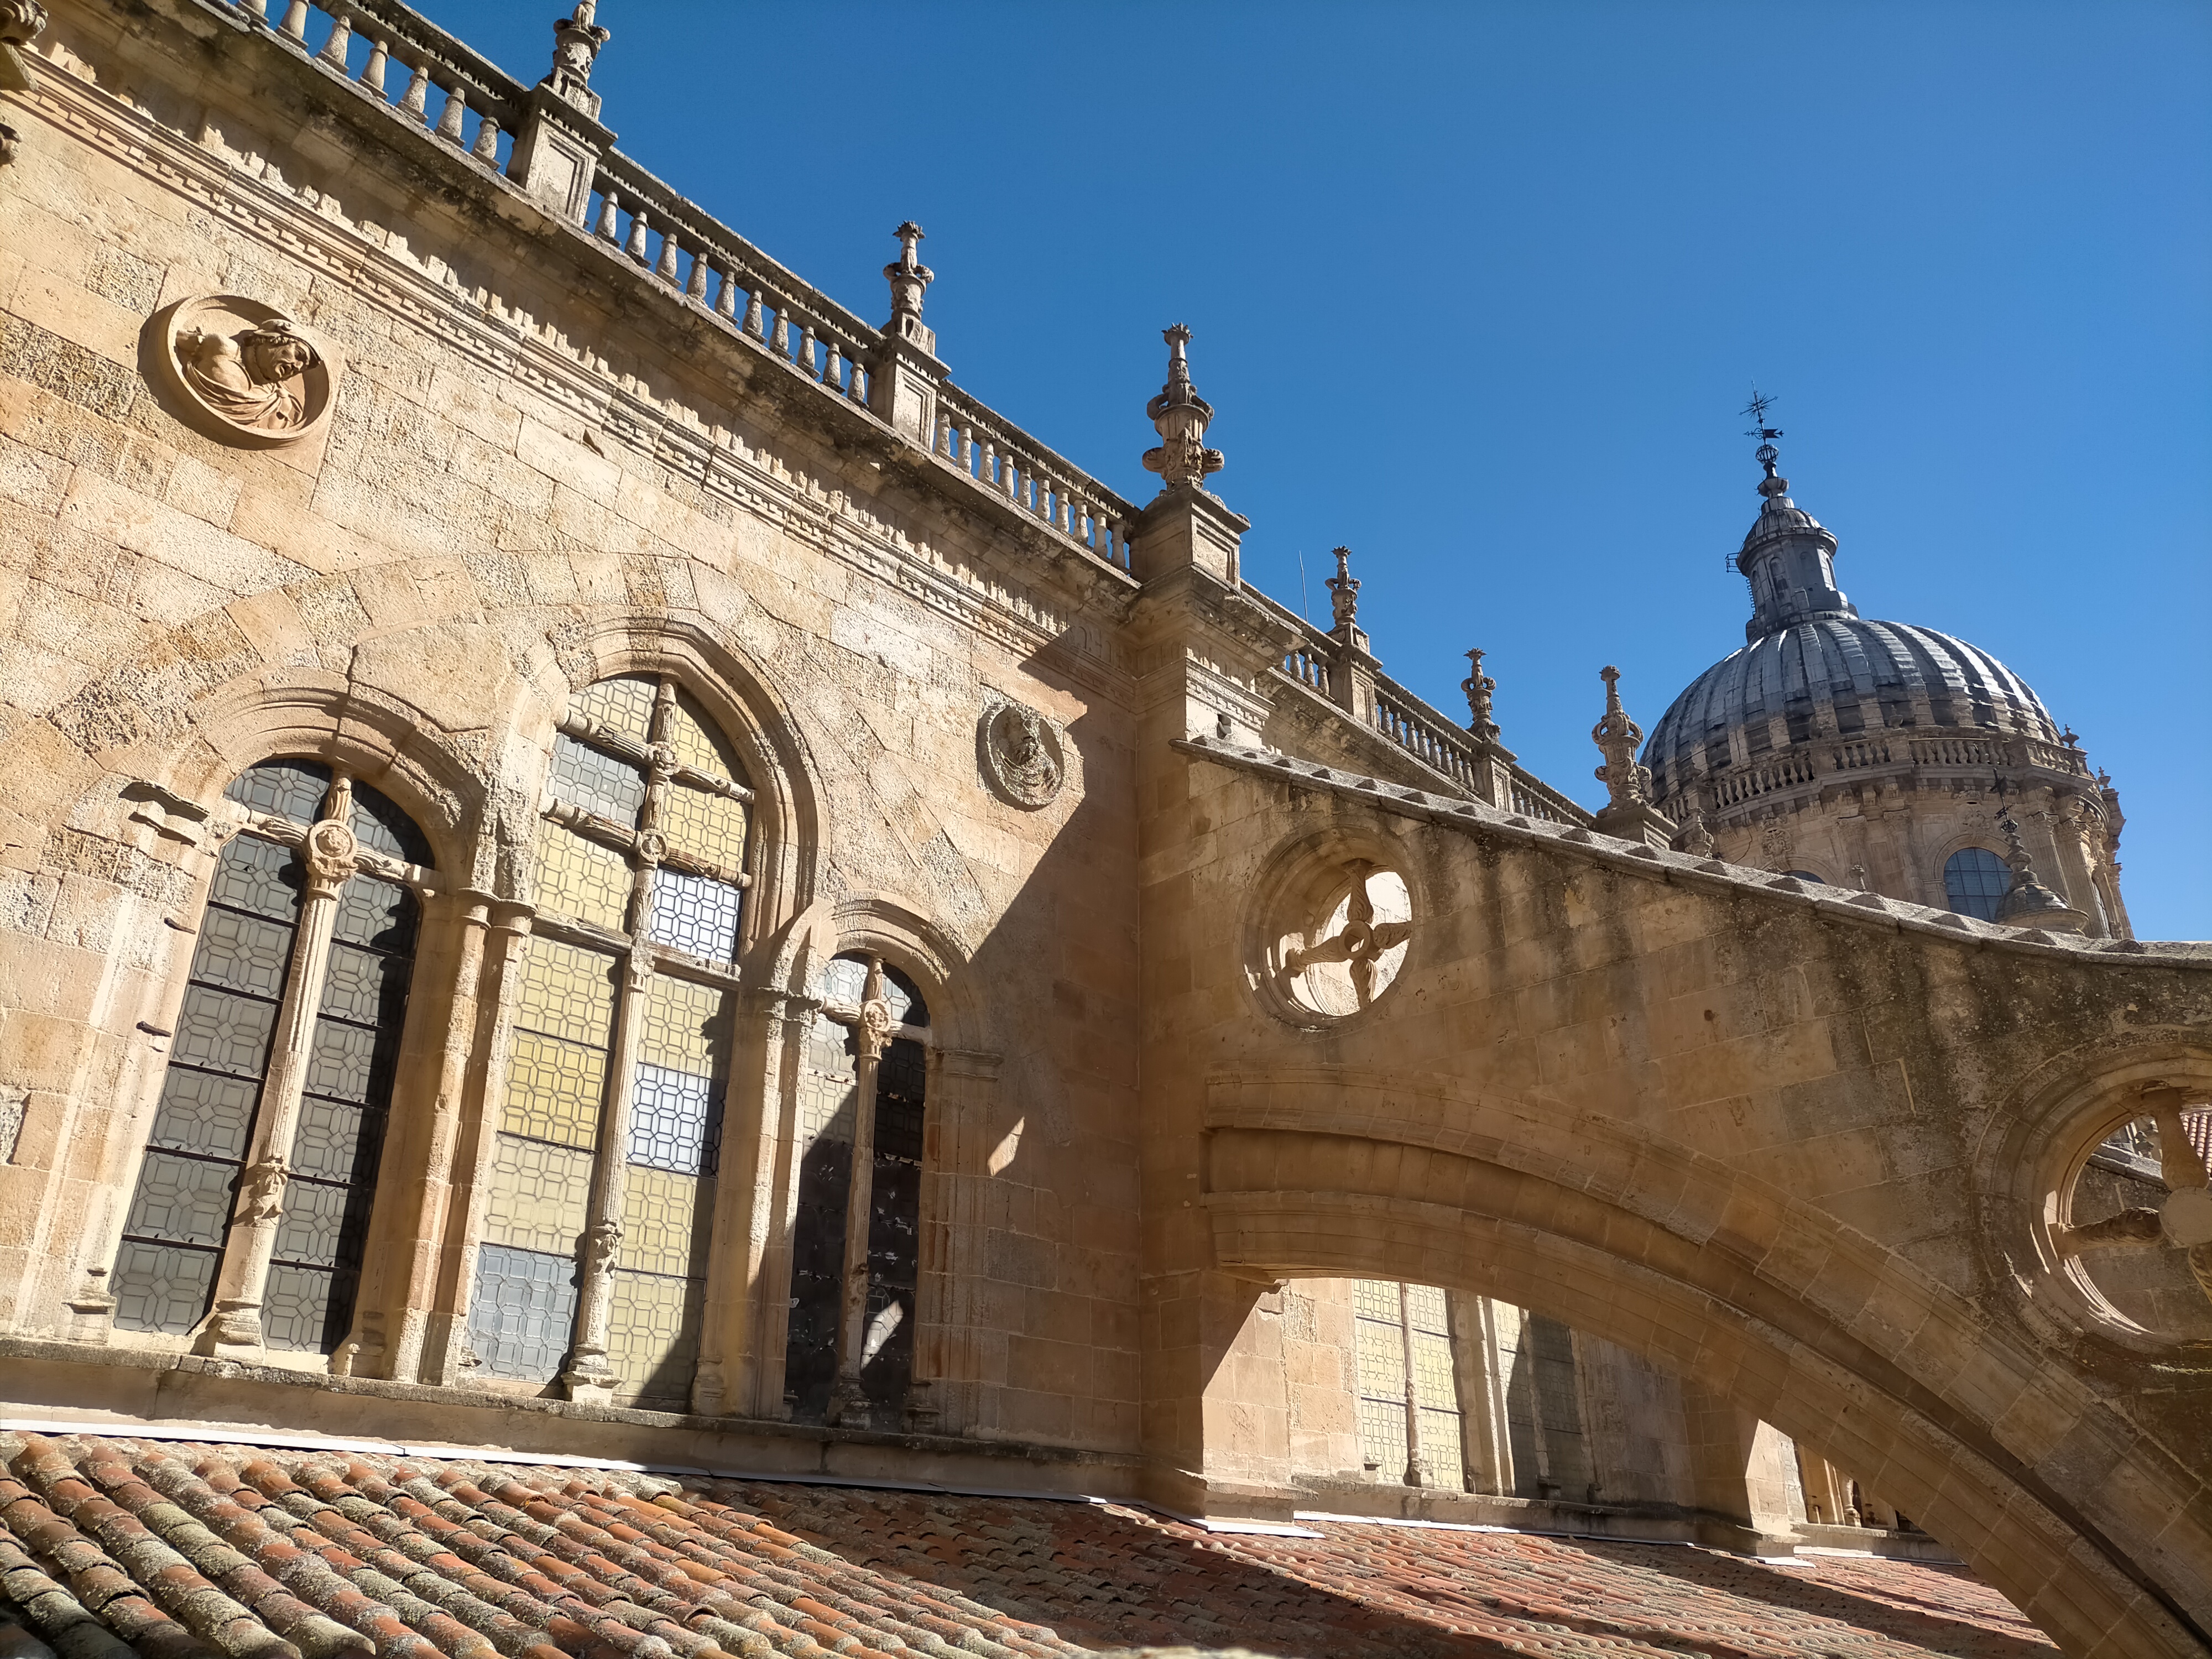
421 1223
848 1404
1416 1470
589 1377
234 1329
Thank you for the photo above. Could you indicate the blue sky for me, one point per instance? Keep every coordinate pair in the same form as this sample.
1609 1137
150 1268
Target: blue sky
1478 290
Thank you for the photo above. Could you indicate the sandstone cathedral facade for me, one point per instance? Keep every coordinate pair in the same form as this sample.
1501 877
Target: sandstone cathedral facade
598 857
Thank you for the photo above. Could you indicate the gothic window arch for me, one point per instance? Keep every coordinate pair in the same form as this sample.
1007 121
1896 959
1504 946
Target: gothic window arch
856 1236
598 1203
1975 881
247 1220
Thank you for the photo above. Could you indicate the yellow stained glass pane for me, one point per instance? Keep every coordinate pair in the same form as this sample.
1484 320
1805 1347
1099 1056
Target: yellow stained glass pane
711 827
1376 1298
653 1334
582 879
554 1090
665 1222
697 744
566 993
684 1028
536 1195
625 703
1433 1383
1382 1359
1383 1436
1441 1449
1425 1309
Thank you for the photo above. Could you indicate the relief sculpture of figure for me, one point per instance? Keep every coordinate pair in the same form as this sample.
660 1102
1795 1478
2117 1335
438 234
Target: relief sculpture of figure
251 378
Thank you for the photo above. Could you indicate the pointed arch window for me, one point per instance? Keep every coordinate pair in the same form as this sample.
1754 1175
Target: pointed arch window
597 1206
247 1221
856 1238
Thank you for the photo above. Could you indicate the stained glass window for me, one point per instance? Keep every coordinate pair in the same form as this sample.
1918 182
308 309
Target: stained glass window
211 1106
577 982
1402 1342
829 1098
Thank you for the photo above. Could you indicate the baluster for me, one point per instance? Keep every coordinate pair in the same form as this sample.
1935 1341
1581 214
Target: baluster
667 269
610 227
372 75
1014 475
726 296
967 449
856 386
449 118
941 442
755 322
806 351
1071 521
416 101
635 247
334 49
487 146
990 460
253 8
829 370
294 26
782 342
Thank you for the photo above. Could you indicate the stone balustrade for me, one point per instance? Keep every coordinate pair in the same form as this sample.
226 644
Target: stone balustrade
1008 462
1804 765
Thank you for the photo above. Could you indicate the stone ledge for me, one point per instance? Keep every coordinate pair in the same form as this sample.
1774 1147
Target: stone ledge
116 1389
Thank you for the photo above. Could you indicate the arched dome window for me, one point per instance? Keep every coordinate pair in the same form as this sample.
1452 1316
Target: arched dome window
1975 881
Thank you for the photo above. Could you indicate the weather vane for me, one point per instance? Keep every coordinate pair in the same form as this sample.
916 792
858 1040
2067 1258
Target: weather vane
1756 408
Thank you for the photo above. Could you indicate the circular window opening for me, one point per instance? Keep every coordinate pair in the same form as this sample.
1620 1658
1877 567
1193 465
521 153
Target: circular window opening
1342 937
2133 1224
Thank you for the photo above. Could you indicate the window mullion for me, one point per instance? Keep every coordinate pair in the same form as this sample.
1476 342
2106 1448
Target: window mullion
589 1375
1413 1468
234 1328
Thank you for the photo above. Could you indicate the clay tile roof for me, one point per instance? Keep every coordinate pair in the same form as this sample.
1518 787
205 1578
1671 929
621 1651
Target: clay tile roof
111 1545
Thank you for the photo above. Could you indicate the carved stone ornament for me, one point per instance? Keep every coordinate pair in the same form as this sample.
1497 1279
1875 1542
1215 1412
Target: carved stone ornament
243 373
1021 755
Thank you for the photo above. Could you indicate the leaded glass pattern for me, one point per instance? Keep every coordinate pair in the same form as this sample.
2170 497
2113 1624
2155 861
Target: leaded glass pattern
828 1099
582 880
597 783
353 1059
661 1232
696 743
537 1195
566 991
290 789
695 914
653 1336
1976 881
554 1090
179 1211
710 827
1397 1330
243 964
623 704
522 1311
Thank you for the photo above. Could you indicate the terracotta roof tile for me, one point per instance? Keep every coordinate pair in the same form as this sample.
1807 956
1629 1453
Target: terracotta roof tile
110 1545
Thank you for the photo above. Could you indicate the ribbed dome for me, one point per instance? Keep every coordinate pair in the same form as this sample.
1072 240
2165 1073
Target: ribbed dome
1875 675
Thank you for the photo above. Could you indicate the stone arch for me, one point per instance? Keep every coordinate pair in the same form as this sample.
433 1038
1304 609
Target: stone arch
1767 1301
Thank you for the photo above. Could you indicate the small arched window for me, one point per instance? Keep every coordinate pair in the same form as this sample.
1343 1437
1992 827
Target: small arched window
1975 881
849 1345
260 1168
1807 875
599 1201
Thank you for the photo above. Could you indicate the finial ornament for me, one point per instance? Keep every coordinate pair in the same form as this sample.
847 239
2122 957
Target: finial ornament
1344 591
2027 902
1479 686
907 274
1180 416
576 43
1617 737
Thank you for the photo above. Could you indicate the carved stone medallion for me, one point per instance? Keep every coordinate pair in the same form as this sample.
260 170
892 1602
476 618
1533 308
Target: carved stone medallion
1021 755
243 372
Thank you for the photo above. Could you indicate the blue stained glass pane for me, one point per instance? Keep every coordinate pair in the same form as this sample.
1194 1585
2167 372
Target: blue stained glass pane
598 783
284 788
523 1311
675 1121
695 914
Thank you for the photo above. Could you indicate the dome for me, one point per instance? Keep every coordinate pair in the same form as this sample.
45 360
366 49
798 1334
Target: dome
1839 676
1814 669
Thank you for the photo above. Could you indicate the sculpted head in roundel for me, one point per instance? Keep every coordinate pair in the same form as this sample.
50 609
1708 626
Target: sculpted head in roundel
1351 951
